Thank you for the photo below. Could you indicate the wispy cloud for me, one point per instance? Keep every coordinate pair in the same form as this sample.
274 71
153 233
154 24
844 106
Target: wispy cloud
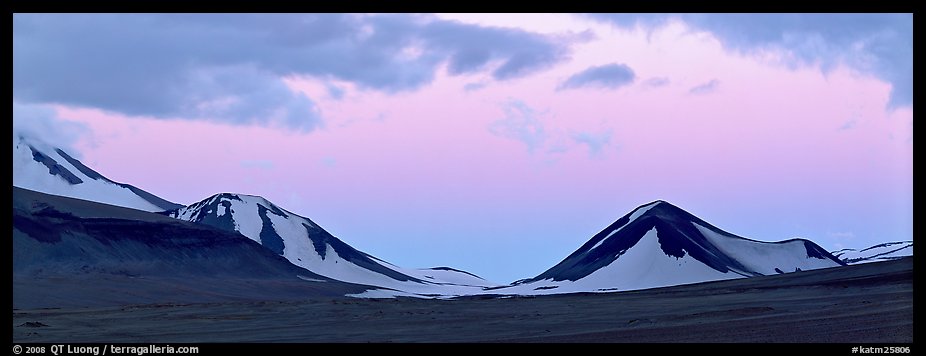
705 88
41 122
609 76
848 125
520 123
656 82
595 141
881 44
474 86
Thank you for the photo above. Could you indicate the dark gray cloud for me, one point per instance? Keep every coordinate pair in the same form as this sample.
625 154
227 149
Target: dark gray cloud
472 48
705 88
229 67
610 76
880 44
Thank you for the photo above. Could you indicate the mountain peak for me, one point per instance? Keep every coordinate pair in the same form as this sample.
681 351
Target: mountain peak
658 243
236 196
42 167
244 198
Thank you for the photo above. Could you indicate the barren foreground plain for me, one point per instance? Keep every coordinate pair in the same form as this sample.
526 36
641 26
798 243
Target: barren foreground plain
865 303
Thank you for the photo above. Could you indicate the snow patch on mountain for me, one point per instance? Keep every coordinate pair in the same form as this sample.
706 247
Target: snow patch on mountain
881 252
658 245
642 266
41 167
764 257
633 216
307 245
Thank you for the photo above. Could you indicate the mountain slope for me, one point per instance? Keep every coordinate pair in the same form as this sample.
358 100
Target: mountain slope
308 245
80 253
658 244
41 167
881 252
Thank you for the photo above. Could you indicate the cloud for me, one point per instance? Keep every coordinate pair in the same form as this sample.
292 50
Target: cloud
334 91
527 125
472 48
229 67
849 124
705 88
520 123
610 76
473 86
879 44
594 141
41 122
631 21
656 82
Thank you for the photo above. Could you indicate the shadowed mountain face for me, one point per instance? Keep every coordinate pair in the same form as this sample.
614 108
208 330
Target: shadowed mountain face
39 166
88 247
660 244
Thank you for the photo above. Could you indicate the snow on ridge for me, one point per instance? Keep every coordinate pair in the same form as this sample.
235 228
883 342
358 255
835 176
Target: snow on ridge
767 258
636 214
302 244
880 252
642 266
33 175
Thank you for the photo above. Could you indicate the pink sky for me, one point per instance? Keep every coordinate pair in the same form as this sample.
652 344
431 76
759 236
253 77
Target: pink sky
420 178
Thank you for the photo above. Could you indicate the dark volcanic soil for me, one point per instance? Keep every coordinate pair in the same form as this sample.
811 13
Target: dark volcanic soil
860 304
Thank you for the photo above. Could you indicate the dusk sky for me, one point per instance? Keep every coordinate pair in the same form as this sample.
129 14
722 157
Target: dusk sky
493 143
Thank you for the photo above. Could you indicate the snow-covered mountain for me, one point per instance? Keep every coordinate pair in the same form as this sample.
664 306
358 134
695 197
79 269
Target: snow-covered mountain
659 244
41 167
881 252
655 245
308 245
76 252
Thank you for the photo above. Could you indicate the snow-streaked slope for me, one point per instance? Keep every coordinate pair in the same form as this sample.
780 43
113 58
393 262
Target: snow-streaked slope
447 275
640 267
307 245
43 168
764 257
659 245
881 252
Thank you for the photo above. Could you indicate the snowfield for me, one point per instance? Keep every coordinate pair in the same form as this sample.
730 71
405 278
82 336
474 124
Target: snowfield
64 178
